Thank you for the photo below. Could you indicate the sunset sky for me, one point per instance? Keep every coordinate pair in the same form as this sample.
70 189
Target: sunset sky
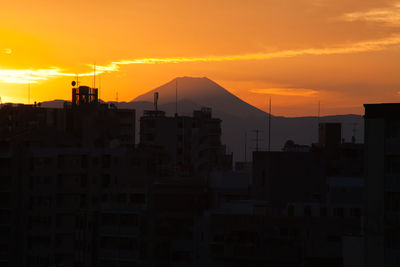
342 53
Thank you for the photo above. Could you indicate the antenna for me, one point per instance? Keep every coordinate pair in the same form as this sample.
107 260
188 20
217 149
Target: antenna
155 101
94 75
176 97
99 86
77 81
319 110
269 126
116 98
257 140
29 92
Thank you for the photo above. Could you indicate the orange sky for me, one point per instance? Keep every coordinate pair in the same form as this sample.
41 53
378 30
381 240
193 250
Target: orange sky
341 52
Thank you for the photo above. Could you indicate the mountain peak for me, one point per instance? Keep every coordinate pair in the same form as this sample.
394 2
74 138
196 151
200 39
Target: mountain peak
203 92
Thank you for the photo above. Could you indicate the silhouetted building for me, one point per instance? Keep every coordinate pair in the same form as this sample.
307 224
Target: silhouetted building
382 172
329 136
281 177
90 122
193 143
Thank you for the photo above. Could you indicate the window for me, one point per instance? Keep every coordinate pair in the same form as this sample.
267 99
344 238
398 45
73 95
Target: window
338 212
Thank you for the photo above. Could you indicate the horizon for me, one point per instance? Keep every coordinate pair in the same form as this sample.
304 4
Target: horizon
340 53
134 100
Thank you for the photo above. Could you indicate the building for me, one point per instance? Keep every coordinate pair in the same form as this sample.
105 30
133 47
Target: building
281 177
57 164
382 178
193 143
90 122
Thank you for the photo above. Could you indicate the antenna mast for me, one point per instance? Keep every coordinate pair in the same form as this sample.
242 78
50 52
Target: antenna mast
257 140
94 75
176 97
29 92
269 126
99 86
156 101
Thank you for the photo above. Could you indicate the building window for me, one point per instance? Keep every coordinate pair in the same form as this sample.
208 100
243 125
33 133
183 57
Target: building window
339 212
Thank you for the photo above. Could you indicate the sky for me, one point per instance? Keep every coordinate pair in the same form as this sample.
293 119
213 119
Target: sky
339 53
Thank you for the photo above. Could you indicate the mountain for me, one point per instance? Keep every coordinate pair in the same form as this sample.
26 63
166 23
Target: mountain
203 92
238 117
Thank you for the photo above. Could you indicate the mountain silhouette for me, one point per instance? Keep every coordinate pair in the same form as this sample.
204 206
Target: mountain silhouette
238 117
203 92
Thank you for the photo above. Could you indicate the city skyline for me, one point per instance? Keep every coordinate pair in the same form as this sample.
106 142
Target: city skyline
340 53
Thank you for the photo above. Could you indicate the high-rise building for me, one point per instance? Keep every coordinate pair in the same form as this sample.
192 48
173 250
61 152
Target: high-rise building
382 178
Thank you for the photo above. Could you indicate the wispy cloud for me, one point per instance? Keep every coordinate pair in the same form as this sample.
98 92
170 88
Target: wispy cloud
358 47
389 15
30 75
33 76
286 91
7 51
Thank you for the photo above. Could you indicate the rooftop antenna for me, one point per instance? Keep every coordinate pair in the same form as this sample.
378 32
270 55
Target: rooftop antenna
155 101
116 98
77 81
176 97
257 140
269 126
29 92
319 110
99 86
94 75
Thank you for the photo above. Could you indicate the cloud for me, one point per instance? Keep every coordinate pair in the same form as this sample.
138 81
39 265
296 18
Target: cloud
389 16
7 51
29 75
358 47
286 91
33 76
